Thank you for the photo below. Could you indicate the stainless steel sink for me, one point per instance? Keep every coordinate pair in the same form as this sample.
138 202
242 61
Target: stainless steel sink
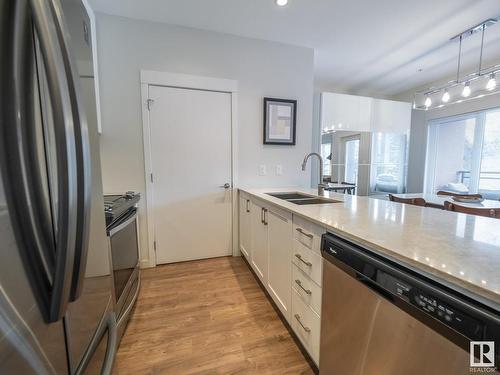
313 201
302 199
287 196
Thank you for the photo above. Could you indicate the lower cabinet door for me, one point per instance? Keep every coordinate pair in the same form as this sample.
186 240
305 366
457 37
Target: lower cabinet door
259 241
280 238
245 231
306 324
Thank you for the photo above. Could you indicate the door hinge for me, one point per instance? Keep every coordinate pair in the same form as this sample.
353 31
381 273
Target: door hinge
154 245
149 103
151 177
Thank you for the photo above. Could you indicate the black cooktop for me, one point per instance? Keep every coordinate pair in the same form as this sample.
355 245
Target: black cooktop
116 205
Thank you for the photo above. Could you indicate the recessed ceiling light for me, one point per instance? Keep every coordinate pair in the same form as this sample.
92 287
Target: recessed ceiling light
281 3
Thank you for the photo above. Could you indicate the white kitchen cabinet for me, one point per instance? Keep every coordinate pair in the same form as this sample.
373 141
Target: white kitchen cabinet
345 112
361 113
308 290
245 226
285 255
259 239
307 326
310 262
389 116
280 238
308 233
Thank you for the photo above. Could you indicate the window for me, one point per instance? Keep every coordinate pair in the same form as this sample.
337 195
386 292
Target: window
326 154
351 160
389 158
463 154
489 175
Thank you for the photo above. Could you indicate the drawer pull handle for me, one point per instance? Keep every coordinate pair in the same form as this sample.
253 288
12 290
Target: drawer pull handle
299 257
300 230
307 329
307 291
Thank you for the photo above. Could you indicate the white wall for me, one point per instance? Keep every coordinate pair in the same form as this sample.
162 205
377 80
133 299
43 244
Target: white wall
126 46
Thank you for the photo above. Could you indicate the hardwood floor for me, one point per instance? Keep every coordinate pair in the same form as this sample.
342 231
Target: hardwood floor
206 317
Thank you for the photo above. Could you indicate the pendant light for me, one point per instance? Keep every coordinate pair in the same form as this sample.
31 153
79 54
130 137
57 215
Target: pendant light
466 91
428 101
470 86
492 83
446 96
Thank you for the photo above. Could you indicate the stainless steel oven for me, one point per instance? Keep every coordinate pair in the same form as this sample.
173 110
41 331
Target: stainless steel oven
123 243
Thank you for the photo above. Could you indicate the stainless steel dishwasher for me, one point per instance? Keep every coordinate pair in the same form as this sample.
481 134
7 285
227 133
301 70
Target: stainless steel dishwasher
379 317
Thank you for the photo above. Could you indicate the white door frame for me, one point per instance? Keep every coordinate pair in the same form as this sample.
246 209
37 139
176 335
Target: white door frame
186 81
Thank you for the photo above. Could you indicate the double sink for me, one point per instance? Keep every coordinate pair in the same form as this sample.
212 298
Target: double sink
302 199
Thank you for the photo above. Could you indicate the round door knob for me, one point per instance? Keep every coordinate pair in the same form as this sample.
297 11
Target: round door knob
227 185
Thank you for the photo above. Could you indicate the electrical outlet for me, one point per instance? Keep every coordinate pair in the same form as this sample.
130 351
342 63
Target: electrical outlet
279 170
262 170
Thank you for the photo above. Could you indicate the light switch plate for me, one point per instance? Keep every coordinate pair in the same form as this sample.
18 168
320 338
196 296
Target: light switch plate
279 170
262 170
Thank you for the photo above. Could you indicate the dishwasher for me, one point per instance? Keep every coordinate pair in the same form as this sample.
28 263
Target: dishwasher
380 317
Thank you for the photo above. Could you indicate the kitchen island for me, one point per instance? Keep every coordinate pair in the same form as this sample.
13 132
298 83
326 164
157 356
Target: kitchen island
460 251
446 266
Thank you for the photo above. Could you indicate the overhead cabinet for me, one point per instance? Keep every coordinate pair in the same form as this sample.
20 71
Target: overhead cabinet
345 112
361 113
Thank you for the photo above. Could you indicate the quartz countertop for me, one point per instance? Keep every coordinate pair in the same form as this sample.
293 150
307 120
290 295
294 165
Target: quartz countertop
460 251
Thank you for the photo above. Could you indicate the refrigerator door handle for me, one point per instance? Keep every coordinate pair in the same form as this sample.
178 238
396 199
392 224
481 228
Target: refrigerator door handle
109 359
43 13
107 325
83 159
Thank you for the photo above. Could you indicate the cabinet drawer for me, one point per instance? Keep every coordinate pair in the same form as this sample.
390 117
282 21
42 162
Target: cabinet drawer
308 261
307 233
307 290
306 324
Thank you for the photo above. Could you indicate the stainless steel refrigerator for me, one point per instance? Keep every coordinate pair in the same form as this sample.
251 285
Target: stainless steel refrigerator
56 306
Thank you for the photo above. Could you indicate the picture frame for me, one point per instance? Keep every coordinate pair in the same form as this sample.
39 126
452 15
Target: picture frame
280 121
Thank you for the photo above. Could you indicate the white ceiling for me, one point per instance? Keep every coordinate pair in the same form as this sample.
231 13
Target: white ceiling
361 46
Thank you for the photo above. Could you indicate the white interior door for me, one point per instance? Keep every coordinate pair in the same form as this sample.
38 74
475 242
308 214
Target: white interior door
191 162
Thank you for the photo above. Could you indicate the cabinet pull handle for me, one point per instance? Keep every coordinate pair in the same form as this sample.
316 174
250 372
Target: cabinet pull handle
262 215
307 291
300 230
307 329
265 218
248 208
299 257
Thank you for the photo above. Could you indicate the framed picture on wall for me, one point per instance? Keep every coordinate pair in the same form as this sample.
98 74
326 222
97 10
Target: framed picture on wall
280 121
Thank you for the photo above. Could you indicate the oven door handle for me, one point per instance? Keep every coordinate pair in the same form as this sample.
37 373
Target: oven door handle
133 216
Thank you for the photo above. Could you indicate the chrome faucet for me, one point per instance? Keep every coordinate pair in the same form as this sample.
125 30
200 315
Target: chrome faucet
321 186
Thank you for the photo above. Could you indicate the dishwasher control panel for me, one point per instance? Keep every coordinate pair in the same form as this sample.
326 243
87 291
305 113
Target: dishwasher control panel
448 315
